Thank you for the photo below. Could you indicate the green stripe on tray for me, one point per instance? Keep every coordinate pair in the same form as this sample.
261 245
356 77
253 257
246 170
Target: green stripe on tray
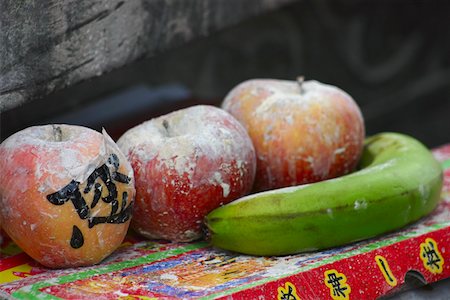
445 164
33 291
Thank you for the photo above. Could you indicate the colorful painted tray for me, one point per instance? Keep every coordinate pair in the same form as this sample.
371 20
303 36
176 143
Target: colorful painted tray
143 269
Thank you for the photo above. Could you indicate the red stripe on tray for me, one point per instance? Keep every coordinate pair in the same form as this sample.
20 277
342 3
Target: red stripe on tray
14 261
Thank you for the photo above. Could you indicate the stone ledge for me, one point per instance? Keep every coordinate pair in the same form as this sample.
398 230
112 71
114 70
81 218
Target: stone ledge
49 45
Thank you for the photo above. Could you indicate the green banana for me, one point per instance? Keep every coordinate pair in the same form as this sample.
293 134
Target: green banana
397 183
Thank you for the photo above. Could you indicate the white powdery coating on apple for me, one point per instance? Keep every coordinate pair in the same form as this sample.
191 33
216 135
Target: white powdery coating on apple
178 139
67 163
70 161
283 92
217 178
42 139
282 100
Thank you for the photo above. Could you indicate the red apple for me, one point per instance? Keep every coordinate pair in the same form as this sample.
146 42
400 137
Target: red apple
186 163
66 194
302 132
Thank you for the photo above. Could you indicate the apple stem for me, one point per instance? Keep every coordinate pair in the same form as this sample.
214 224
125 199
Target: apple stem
165 124
300 80
57 133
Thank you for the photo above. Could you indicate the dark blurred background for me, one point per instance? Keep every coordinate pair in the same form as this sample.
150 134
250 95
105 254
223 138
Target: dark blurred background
393 57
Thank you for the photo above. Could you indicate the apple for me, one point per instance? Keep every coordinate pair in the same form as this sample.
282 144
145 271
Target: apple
66 194
186 163
303 132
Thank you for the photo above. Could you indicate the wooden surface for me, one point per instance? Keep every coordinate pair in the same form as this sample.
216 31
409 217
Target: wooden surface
48 45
